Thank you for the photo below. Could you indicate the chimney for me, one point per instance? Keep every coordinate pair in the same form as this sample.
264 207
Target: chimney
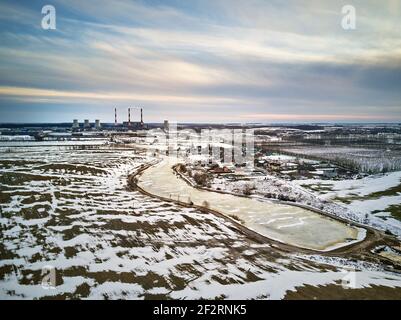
141 117
115 116
129 116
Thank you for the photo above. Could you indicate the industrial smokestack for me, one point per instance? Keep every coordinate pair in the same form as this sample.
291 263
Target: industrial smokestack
141 117
129 116
115 116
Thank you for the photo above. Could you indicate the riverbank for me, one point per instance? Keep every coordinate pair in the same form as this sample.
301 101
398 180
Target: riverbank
294 226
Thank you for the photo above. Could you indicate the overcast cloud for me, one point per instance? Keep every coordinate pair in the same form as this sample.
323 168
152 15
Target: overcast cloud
196 61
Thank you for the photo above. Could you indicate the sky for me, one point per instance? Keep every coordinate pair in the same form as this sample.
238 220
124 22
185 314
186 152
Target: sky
201 61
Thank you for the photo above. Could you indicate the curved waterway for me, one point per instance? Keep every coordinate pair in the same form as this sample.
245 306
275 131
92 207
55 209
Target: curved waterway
285 223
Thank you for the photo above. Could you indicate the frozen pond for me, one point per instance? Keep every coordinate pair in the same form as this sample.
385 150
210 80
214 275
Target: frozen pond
285 223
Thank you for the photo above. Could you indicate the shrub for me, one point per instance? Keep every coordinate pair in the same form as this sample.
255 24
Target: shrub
388 232
181 168
201 179
248 189
205 204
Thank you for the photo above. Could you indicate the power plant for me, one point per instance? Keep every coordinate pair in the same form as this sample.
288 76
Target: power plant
129 125
124 126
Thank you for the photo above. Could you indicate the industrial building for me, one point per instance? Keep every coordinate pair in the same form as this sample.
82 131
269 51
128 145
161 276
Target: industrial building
132 125
86 126
124 126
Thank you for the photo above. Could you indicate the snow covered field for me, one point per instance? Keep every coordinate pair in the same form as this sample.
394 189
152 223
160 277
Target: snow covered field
372 196
71 209
32 143
362 159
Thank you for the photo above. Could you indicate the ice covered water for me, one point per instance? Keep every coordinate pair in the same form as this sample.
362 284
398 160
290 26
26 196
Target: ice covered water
285 223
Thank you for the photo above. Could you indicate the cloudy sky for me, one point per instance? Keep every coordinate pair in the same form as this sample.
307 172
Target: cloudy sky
201 61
